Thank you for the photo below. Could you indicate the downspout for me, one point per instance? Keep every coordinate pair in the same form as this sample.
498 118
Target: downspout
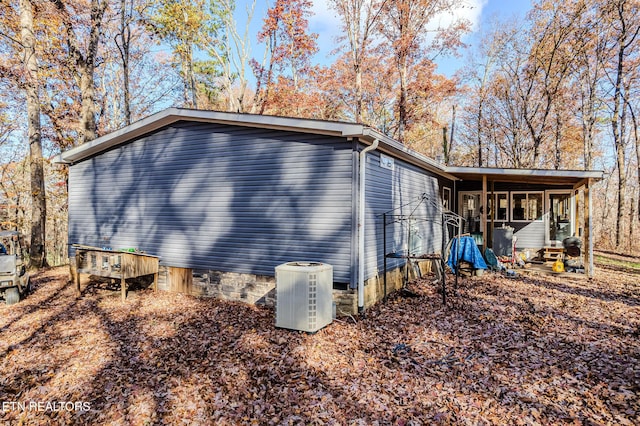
361 216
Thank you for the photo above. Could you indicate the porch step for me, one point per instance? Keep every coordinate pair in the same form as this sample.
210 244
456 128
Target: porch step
553 253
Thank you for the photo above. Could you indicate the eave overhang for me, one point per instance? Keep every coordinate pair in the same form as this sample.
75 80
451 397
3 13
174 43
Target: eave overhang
533 176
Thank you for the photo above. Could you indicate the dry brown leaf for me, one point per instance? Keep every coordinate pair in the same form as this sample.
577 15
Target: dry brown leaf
503 351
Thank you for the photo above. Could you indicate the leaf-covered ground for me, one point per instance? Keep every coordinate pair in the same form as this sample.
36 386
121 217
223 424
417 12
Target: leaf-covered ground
503 351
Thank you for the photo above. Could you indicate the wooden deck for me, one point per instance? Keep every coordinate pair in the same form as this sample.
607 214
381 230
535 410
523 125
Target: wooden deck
115 264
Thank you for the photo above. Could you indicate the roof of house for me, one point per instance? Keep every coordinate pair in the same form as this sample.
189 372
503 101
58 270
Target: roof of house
363 133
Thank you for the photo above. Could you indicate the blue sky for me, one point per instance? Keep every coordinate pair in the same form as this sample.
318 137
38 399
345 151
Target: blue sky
478 12
326 24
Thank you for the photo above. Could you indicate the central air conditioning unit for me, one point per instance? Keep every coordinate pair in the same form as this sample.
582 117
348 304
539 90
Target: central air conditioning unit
304 295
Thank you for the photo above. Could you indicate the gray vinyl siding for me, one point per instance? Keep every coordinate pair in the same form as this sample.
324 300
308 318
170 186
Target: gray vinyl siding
529 235
220 197
400 190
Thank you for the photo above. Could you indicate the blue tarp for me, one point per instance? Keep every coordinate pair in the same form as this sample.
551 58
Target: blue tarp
467 252
492 261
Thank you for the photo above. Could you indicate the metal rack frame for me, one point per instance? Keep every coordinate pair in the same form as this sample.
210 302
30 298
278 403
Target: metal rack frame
446 219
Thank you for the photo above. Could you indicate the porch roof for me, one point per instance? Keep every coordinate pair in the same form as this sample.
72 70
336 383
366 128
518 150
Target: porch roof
575 178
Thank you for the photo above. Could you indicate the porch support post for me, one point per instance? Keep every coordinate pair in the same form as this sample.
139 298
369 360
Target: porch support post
483 213
494 207
576 202
588 253
78 263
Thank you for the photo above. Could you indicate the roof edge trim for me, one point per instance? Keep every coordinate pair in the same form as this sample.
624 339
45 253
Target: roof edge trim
361 132
592 174
172 115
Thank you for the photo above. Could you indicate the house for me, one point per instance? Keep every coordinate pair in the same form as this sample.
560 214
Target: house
223 198
543 207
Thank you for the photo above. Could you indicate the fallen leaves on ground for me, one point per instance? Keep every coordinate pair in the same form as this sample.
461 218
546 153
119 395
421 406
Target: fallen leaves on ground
525 351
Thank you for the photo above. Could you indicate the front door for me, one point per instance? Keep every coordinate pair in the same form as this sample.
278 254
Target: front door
470 209
560 216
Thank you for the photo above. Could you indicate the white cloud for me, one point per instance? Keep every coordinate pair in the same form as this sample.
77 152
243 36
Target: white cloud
471 10
326 23
324 19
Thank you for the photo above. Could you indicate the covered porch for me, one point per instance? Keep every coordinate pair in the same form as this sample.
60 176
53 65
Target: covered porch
540 208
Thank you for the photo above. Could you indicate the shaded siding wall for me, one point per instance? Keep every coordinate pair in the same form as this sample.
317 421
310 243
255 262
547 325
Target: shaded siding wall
217 197
400 190
530 236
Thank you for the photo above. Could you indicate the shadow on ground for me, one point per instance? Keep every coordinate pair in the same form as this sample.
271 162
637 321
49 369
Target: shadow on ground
502 351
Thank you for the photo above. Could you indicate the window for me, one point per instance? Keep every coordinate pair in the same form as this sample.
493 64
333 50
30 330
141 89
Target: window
526 206
470 205
501 201
446 198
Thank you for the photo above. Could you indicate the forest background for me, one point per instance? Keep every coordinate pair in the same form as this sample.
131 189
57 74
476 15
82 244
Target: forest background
555 88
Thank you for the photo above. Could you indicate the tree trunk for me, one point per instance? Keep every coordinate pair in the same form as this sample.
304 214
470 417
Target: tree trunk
445 146
630 241
402 101
88 123
618 141
269 77
451 134
38 197
558 138
479 130
588 126
124 48
358 112
637 142
85 64
629 30
622 183
188 75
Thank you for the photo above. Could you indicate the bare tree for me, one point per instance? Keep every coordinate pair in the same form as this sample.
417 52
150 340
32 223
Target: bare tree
625 23
547 69
84 62
123 42
404 24
587 69
232 50
635 204
479 75
31 87
359 18
289 47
